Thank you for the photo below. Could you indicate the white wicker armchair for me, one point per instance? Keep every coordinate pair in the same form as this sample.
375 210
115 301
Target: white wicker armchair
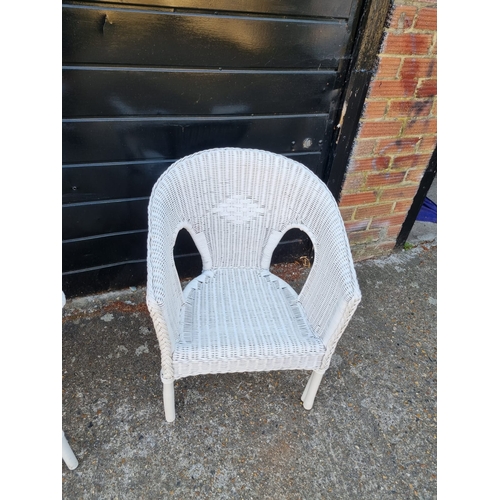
237 316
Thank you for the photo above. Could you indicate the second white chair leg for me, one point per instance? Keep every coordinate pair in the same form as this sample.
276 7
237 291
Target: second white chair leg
67 454
311 389
169 400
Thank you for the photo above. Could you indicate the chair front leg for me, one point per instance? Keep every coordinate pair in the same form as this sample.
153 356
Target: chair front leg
312 388
169 399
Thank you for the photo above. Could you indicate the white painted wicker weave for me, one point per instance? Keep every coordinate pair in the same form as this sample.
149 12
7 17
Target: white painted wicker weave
237 316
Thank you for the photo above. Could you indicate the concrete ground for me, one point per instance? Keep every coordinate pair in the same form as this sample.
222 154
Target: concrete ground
370 435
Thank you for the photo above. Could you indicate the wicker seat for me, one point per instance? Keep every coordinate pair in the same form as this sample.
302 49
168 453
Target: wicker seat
237 316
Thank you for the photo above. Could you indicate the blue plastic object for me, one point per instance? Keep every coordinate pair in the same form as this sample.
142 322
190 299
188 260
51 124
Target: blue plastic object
428 211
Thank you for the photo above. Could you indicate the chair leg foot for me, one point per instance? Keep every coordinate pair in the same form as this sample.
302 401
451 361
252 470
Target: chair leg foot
169 400
311 389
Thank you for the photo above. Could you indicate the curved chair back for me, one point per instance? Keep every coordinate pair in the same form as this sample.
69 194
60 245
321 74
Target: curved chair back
237 204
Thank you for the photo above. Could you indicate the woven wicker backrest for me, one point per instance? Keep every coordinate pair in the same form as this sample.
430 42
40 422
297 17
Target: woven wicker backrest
237 204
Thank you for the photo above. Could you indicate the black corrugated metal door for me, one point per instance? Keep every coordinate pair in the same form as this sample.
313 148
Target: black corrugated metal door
146 82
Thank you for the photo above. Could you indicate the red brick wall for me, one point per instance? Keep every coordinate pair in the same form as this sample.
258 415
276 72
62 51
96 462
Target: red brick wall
397 132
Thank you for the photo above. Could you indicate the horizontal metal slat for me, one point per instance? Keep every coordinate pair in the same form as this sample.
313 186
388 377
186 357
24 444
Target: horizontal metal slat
96 252
94 92
93 183
153 38
115 277
90 219
90 141
130 180
110 249
309 8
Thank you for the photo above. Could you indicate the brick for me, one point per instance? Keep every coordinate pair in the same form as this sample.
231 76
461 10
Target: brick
359 225
397 193
370 164
417 126
408 43
426 19
413 69
402 17
427 88
363 236
393 231
427 144
402 206
387 246
358 253
374 109
388 67
364 147
414 175
434 108
380 129
396 146
391 220
373 210
384 179
389 88
349 200
411 108
347 213
353 183
410 161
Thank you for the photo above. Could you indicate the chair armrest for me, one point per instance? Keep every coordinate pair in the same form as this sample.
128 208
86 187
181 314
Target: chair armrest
329 304
331 295
166 329
164 300
339 319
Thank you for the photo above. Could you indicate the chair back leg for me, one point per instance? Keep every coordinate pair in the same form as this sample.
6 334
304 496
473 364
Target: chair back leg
311 389
306 389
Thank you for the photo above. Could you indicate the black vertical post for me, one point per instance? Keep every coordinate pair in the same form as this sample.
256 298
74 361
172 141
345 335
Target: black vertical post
370 36
418 201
